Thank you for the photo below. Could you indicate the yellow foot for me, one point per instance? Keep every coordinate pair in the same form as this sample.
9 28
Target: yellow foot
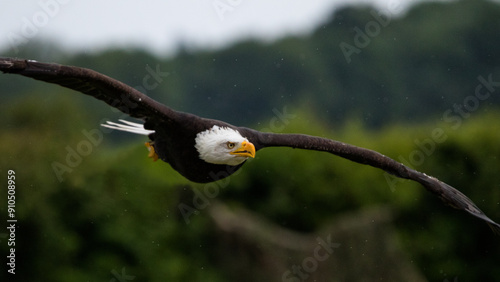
151 149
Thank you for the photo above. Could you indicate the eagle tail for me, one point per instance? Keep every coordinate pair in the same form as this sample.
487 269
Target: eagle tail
128 126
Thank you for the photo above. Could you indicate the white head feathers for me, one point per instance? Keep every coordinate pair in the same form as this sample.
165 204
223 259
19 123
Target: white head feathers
223 145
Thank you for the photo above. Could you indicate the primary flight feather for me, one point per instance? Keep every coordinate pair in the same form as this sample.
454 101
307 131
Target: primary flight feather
205 150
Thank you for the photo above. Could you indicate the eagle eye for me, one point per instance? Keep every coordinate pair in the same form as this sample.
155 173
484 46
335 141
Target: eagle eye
230 145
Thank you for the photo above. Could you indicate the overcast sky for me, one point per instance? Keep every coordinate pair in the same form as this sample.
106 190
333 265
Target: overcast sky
161 25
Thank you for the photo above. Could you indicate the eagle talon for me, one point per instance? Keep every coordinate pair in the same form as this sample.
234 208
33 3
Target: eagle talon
151 149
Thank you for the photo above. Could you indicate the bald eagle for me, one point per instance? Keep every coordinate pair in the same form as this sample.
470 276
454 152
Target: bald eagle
205 150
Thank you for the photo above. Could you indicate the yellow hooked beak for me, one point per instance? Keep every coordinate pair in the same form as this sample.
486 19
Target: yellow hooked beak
246 149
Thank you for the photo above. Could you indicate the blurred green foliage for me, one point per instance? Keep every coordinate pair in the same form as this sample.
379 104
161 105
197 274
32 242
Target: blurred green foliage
415 67
116 211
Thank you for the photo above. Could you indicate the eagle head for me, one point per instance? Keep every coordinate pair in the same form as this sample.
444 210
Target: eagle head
223 145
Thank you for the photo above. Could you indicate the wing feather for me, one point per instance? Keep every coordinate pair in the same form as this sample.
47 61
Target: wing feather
113 92
445 192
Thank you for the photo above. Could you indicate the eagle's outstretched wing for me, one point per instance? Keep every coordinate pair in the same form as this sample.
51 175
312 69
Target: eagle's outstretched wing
102 87
136 104
446 193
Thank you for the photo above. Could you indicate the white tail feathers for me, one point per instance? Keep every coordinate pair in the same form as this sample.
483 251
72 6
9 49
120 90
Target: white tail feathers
128 126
